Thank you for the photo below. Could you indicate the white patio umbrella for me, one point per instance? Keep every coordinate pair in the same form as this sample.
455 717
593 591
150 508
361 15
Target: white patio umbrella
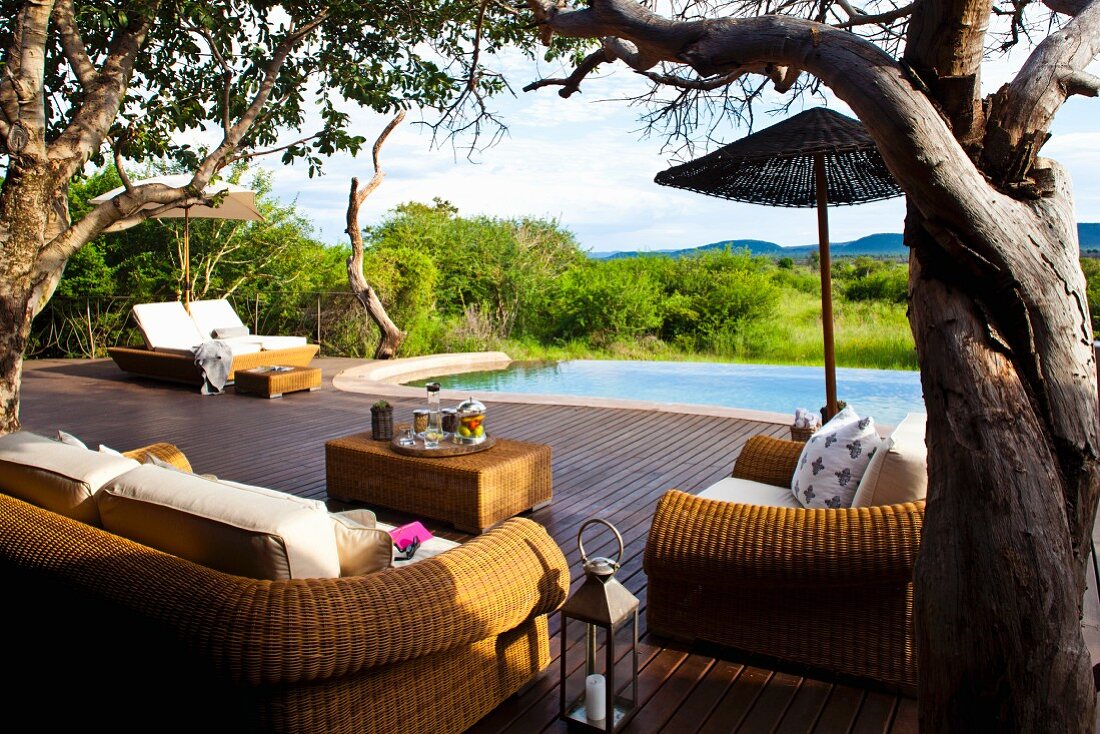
237 203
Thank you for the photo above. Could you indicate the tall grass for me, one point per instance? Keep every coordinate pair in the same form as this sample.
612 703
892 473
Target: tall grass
871 334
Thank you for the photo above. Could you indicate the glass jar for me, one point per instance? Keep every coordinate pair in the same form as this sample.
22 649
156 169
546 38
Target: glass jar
471 422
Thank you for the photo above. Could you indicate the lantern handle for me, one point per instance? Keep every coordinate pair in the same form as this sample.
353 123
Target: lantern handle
605 523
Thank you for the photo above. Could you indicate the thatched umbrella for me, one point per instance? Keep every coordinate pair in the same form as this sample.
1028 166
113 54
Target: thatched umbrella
816 158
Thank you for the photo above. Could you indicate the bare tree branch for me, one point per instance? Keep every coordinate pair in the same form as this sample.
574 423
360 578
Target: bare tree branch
72 45
1081 83
99 107
118 164
21 89
572 83
269 151
391 336
1020 113
858 17
236 132
1066 7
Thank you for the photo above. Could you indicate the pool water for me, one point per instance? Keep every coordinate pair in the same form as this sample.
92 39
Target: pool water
887 395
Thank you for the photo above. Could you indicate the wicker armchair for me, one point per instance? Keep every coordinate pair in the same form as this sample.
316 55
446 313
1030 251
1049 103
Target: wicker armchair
136 638
828 588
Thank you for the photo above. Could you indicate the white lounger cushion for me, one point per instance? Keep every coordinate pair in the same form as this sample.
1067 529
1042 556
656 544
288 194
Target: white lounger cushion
234 528
214 314
219 314
748 492
281 342
55 476
167 327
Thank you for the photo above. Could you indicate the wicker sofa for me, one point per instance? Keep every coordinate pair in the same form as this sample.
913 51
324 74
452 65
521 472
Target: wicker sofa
828 588
121 634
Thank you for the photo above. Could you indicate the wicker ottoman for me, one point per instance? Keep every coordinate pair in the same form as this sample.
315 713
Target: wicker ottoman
472 492
272 383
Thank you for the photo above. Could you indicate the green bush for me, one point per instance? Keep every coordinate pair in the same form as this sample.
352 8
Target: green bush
605 301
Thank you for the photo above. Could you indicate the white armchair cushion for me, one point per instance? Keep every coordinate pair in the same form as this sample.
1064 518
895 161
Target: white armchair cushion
167 327
214 314
898 471
748 492
58 477
834 460
234 528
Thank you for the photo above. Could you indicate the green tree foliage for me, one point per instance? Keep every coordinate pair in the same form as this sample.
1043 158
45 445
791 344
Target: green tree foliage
867 279
708 298
604 302
497 269
1091 268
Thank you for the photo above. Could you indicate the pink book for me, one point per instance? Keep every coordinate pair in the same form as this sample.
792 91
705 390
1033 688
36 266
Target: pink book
406 534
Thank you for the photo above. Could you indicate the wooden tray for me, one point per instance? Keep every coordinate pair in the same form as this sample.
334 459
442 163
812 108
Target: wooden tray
446 448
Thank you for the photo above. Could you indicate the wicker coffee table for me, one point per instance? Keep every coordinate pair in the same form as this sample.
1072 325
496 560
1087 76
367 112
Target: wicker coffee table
472 492
270 384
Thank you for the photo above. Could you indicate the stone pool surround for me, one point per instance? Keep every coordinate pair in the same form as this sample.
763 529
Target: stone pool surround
383 378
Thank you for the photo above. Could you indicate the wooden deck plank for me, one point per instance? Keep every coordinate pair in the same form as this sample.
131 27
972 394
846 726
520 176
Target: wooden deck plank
610 462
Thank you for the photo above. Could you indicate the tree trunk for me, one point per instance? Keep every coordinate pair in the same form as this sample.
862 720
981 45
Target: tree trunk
390 336
1000 574
28 215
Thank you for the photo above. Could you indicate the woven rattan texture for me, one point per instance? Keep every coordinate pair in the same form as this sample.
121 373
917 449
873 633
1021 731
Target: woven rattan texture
472 492
775 166
276 383
166 452
180 368
828 588
456 633
768 460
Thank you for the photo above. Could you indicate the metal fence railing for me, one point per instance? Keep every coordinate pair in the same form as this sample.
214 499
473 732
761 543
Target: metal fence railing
85 327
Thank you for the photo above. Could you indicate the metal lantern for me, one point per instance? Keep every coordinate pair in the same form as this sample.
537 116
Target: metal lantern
595 696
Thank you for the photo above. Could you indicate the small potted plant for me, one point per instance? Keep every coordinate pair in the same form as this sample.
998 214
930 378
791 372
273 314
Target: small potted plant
381 421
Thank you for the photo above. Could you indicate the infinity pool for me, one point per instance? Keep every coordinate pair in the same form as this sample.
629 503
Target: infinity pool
887 395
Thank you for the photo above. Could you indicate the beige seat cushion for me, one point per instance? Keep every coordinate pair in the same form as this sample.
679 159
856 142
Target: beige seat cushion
748 492
235 528
898 471
363 548
167 327
58 477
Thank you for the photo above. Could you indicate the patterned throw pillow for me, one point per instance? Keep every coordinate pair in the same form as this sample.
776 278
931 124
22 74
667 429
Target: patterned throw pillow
834 460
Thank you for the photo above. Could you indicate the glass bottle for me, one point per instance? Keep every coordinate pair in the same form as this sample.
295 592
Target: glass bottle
434 433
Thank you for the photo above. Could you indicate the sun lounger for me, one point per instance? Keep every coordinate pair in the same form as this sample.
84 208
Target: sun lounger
171 333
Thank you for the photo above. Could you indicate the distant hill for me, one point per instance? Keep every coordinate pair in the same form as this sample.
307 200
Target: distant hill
885 244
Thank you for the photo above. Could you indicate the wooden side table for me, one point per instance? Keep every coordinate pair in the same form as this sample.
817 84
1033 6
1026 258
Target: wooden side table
269 383
472 492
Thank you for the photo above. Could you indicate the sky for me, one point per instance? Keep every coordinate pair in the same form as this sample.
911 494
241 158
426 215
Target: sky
583 162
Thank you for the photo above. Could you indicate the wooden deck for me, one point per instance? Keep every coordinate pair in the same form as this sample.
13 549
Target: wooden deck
607 462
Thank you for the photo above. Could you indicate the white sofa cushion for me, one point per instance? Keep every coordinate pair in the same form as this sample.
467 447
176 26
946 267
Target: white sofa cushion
58 477
167 327
363 548
234 528
214 314
898 471
834 460
748 492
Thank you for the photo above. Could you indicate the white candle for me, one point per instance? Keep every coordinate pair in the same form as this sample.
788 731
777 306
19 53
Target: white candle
595 697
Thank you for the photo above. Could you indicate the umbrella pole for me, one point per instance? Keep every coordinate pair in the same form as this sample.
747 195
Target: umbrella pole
187 259
826 285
